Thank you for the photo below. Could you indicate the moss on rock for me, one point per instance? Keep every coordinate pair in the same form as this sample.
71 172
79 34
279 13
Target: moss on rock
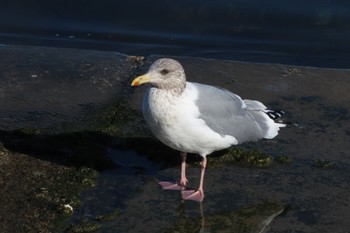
238 156
324 164
44 191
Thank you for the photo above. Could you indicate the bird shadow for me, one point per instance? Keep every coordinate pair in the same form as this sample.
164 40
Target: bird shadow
86 148
76 149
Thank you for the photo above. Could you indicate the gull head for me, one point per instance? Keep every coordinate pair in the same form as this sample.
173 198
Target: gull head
165 73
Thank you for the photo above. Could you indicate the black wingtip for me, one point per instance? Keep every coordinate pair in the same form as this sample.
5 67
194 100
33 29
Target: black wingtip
275 114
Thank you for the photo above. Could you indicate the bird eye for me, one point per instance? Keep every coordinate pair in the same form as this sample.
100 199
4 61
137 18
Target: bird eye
164 71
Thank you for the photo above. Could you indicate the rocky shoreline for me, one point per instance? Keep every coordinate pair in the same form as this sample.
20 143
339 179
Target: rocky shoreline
62 109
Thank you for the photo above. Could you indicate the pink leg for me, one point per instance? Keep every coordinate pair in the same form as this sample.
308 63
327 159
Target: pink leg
181 184
183 180
199 194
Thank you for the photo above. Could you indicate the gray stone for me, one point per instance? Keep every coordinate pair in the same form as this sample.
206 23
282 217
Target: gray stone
57 89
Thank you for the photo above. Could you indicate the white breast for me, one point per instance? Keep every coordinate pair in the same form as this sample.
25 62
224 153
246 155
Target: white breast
175 121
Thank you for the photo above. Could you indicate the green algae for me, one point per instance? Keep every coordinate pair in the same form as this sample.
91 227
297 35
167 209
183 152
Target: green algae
93 225
85 226
45 191
109 217
283 159
324 164
30 130
113 119
238 156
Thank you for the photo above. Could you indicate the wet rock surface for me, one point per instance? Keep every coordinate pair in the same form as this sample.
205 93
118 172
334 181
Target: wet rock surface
59 109
59 90
68 118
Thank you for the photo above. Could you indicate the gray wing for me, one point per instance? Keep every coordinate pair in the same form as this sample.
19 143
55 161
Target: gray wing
227 114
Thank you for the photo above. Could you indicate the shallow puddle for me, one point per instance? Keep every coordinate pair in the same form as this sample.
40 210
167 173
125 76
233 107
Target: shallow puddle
307 194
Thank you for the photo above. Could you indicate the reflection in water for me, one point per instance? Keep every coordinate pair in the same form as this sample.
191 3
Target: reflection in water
252 219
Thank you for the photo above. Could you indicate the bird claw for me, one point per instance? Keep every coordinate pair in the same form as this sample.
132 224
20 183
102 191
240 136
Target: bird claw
183 182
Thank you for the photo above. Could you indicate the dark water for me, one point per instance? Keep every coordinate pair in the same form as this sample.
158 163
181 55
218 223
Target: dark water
311 32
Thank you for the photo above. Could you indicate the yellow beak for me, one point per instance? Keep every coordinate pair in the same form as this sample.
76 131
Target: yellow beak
140 80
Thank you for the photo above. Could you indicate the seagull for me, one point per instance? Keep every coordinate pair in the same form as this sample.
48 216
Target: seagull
200 119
